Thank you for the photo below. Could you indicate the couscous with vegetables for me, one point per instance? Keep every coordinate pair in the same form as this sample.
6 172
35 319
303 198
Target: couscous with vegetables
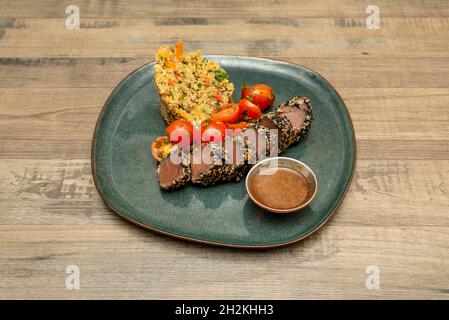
190 87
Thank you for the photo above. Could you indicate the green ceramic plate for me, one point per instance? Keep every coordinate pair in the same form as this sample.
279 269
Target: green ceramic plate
125 172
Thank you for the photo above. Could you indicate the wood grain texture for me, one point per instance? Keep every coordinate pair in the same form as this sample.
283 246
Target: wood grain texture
321 37
394 81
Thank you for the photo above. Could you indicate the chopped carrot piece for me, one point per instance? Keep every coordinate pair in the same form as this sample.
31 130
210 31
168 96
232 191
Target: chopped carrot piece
179 50
237 125
218 97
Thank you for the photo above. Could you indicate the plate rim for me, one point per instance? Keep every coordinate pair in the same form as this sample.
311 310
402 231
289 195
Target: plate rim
215 243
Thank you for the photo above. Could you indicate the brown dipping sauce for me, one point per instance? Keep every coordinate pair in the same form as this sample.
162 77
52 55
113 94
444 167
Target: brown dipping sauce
280 188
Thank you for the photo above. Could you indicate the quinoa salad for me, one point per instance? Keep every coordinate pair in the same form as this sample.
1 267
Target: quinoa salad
190 87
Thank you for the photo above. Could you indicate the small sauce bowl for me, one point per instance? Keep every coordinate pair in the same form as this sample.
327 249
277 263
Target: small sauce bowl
281 185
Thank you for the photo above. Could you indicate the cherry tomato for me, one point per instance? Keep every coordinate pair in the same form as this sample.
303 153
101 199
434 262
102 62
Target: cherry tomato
213 132
230 114
260 94
161 147
180 131
249 109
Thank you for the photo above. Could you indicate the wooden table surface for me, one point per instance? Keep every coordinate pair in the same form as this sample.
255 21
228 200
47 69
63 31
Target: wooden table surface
54 81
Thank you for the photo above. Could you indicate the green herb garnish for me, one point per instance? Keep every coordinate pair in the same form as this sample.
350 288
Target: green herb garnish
220 75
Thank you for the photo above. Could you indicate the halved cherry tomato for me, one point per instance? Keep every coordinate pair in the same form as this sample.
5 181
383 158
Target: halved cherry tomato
180 131
260 94
230 114
161 147
249 109
213 132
